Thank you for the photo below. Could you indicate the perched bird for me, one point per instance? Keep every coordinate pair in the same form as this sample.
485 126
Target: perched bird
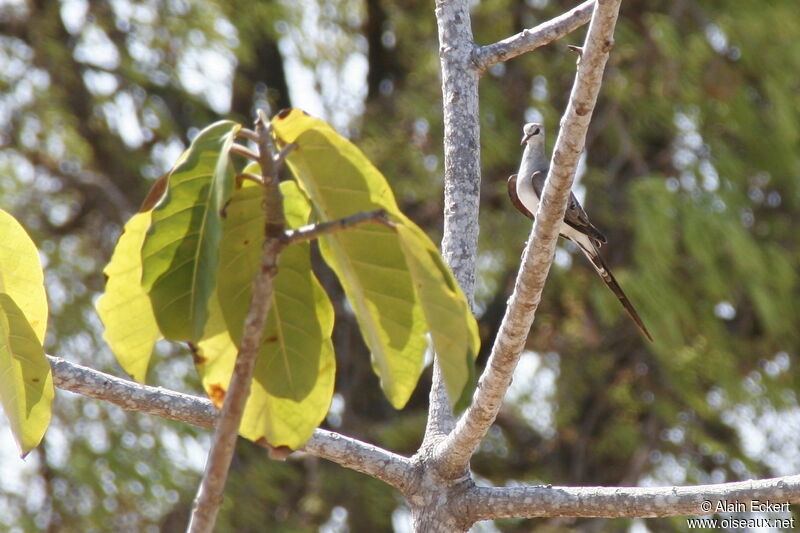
525 189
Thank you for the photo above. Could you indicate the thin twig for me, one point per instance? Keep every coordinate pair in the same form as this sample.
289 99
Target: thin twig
455 452
315 231
577 49
212 486
244 151
531 39
345 451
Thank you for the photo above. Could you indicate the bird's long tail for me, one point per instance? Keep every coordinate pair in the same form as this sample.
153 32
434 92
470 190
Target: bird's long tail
602 269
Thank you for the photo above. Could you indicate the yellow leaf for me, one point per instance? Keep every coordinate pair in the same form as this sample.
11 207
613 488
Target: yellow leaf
21 275
26 382
131 329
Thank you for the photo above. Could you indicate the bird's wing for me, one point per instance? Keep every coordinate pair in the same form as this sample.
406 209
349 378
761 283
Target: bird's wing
602 269
575 216
512 193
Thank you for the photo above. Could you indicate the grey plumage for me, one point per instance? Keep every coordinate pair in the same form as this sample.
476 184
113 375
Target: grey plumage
530 185
525 188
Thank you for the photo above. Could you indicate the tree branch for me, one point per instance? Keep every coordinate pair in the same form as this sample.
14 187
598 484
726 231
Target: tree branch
461 177
212 486
131 395
479 503
531 39
485 503
315 231
345 451
454 453
362 457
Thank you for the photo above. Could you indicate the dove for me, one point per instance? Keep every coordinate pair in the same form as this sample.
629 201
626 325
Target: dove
525 188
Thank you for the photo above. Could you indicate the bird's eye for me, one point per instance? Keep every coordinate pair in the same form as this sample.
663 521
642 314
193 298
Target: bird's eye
536 131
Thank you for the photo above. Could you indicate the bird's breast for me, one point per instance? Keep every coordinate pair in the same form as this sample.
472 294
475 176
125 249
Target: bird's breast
527 195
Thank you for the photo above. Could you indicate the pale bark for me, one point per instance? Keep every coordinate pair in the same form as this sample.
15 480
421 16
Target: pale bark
350 453
454 453
483 503
469 502
529 40
461 178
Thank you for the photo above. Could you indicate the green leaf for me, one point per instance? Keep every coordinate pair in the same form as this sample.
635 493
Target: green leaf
26 383
300 318
275 420
368 260
131 328
181 249
21 275
453 328
385 282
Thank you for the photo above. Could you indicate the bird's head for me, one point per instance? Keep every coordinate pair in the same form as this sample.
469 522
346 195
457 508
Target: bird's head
532 132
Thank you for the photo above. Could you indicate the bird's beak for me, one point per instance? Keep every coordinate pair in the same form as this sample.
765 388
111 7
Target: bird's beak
524 139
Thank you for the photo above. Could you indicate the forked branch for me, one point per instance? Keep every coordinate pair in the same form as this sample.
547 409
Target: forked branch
454 453
462 62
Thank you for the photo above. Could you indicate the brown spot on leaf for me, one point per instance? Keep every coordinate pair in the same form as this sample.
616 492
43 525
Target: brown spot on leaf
36 380
246 242
283 113
217 395
270 339
155 194
280 453
197 354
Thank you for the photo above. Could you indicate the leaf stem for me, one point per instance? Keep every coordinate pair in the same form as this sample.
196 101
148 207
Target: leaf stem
248 134
244 151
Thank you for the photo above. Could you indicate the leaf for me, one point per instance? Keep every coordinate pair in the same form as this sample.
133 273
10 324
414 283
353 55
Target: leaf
278 421
21 275
368 260
397 282
180 251
453 328
300 319
130 326
26 382
279 418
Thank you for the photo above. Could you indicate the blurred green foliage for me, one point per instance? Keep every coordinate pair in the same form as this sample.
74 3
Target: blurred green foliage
691 170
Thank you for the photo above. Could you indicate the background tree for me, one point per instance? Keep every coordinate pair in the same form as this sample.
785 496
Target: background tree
694 141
